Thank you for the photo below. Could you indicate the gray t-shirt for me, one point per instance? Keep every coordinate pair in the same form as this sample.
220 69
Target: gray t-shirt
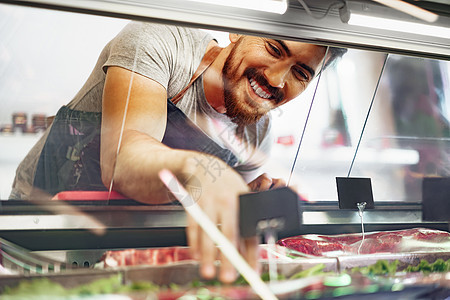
169 55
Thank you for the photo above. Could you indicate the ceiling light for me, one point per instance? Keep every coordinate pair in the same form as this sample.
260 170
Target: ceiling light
397 25
272 6
410 9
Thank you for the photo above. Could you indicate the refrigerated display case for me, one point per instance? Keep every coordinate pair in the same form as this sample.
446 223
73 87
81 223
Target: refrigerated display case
382 112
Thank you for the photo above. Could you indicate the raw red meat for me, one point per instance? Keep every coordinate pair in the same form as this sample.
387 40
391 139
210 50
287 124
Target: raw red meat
375 242
319 245
314 247
153 256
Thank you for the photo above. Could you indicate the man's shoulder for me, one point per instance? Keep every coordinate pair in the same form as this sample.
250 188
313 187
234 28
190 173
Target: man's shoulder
146 27
152 35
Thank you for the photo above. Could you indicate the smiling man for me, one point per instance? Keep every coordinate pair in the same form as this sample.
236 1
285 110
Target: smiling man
169 98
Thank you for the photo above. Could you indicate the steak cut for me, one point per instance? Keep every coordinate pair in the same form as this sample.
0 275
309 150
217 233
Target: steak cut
400 241
152 256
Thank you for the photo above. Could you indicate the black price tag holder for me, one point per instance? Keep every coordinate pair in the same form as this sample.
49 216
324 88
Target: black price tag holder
267 213
436 199
354 191
277 209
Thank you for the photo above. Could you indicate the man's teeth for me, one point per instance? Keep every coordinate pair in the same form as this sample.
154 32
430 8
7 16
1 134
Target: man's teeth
258 90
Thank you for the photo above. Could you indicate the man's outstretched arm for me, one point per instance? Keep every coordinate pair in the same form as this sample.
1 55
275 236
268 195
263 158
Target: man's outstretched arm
142 156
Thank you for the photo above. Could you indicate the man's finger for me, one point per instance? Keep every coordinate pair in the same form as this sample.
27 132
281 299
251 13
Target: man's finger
193 237
277 183
251 252
229 226
266 183
208 257
261 183
208 249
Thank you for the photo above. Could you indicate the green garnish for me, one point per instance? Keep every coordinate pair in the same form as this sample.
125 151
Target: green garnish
313 271
381 267
43 288
424 266
384 267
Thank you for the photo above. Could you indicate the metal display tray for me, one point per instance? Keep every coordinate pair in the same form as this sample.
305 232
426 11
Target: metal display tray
74 267
405 259
185 271
288 265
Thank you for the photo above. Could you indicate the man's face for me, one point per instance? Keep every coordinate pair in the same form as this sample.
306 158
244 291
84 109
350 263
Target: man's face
261 74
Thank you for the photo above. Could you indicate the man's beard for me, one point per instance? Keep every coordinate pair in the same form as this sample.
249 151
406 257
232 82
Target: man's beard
237 109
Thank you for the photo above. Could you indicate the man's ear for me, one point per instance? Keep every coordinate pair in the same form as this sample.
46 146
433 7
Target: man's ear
234 37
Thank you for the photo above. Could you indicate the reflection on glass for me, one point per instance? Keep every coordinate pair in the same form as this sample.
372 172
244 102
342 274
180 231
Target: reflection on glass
420 111
407 132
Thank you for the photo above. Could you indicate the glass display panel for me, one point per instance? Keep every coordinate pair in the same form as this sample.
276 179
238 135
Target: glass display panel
396 133
356 118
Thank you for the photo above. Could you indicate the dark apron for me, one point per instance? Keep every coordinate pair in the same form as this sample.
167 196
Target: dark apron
70 158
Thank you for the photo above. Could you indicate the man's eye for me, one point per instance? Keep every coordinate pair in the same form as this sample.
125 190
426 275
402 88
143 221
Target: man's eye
300 74
274 50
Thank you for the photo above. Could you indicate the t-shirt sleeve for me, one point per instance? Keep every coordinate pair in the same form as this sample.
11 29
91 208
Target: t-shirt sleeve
145 48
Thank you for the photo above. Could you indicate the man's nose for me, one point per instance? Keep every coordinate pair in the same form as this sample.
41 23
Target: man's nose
276 75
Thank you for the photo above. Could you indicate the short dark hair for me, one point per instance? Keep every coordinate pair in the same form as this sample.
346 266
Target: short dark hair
335 53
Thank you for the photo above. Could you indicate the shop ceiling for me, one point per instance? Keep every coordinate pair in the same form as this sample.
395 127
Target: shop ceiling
296 23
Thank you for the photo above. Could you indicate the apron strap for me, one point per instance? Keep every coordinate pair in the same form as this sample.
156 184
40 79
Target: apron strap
207 60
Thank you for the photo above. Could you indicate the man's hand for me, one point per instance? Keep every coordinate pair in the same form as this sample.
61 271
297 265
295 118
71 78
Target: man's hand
219 199
264 182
